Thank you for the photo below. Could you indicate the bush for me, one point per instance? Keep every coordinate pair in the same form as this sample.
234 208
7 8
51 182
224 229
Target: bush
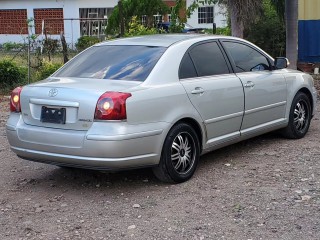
11 75
137 29
226 31
46 69
9 46
85 42
50 46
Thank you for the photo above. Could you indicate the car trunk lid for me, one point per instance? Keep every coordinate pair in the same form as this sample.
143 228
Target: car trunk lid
66 103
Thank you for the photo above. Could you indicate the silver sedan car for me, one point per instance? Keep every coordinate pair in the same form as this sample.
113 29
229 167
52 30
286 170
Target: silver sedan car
158 101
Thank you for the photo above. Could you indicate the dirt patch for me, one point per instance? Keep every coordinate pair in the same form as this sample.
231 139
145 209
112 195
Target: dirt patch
264 188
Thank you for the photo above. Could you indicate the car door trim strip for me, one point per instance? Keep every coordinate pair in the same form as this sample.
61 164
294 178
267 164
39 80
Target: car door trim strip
274 105
222 118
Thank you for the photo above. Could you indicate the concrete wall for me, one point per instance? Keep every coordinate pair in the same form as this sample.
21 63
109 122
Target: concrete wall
70 10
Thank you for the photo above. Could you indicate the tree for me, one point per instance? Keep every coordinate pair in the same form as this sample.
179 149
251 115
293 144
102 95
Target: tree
292 32
131 8
269 31
288 11
242 12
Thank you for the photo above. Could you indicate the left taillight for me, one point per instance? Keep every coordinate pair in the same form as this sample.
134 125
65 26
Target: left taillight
112 106
15 105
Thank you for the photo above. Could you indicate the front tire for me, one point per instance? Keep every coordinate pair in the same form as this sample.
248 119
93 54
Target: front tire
300 117
180 155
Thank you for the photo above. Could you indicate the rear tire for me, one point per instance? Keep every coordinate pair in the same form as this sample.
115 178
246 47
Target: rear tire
299 118
180 155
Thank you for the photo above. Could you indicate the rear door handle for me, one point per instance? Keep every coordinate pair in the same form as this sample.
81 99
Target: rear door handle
249 84
197 90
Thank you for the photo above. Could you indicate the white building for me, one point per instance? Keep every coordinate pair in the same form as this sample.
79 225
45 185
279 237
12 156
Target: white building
56 16
206 15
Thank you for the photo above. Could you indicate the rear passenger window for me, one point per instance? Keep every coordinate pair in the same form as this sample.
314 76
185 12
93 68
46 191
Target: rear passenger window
246 59
208 59
187 69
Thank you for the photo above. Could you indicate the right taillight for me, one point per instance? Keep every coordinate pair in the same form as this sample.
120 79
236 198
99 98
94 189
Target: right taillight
112 106
15 105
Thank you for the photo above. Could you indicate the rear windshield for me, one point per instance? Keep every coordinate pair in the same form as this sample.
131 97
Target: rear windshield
132 63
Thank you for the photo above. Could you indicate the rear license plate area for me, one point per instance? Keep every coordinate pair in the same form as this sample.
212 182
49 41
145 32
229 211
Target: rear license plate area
53 115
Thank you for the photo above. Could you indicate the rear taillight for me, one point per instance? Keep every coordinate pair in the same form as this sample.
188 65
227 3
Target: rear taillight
112 106
15 105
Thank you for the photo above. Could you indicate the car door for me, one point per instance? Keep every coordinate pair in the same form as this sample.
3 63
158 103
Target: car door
215 92
265 89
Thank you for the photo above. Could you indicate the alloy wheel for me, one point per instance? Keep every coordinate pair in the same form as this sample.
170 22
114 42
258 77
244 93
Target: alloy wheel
300 115
183 153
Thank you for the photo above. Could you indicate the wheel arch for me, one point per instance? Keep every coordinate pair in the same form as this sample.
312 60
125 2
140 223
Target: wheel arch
309 95
196 126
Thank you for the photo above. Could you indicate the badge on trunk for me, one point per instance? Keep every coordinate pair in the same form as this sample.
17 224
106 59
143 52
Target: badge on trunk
53 92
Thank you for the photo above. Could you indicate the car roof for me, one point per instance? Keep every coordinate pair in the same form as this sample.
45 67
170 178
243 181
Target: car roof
159 40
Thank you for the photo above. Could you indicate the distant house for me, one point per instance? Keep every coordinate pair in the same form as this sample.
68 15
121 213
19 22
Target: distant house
78 17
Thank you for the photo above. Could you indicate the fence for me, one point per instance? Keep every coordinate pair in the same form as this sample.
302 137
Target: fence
73 28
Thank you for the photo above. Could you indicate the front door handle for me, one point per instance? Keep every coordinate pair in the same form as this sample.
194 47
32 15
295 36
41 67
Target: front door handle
198 90
249 84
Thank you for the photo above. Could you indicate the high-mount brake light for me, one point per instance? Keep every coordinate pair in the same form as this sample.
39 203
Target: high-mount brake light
112 106
15 105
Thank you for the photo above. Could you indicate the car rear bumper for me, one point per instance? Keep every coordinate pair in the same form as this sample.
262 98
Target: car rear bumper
128 146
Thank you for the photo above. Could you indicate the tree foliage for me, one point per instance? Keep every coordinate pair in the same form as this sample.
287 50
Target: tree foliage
137 29
269 32
280 8
138 8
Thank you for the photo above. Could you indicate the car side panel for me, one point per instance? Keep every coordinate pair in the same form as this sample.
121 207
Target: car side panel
296 81
265 101
167 103
221 105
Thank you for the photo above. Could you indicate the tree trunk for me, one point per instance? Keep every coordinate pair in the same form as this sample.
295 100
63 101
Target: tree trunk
149 22
237 27
64 48
292 32
121 20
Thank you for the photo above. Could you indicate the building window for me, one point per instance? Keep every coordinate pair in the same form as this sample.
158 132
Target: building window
13 21
157 19
144 20
52 18
205 14
93 21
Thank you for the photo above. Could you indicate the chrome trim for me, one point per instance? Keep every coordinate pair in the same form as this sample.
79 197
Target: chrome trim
53 102
225 117
265 107
207 77
95 137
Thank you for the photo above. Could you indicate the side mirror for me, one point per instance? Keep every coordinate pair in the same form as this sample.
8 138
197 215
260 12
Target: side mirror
281 63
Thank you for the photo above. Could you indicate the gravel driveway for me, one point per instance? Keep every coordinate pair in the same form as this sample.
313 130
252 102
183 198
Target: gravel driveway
264 188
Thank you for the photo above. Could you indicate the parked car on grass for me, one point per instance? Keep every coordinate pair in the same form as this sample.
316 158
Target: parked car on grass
158 101
165 26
